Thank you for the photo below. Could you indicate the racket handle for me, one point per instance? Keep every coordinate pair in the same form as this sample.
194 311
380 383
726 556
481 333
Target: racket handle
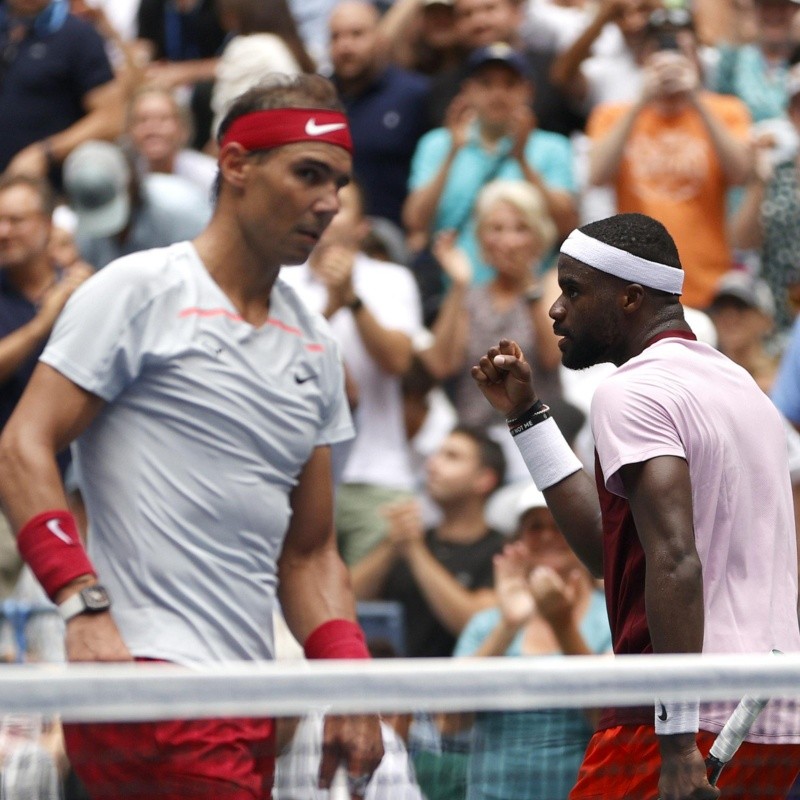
732 735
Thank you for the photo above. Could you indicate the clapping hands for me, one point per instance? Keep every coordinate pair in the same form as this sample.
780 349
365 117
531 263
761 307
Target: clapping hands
524 589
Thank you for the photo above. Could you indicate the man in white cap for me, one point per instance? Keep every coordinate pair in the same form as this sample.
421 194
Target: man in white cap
689 519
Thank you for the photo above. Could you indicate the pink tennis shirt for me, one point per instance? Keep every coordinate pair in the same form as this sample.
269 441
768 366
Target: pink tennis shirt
682 398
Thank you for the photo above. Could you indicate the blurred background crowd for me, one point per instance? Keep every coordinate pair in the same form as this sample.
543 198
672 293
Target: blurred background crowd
484 132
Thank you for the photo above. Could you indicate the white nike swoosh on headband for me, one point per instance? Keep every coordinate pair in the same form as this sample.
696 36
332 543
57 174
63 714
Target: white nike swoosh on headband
312 129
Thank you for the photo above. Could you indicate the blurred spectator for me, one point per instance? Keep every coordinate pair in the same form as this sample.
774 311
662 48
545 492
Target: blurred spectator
385 106
673 154
548 605
491 133
785 391
297 765
514 232
61 247
185 40
756 72
119 14
264 40
724 20
743 312
768 219
421 35
555 26
58 88
441 576
374 311
480 23
429 414
33 290
158 130
185 37
119 214
312 18
607 77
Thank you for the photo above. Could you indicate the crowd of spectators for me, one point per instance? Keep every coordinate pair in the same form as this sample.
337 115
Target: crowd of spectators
484 131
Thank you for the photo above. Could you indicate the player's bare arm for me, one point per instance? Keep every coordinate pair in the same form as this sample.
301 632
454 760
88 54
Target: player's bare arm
660 496
54 413
504 377
314 589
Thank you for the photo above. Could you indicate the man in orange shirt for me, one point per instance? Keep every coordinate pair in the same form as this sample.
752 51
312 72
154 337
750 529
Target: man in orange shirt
673 155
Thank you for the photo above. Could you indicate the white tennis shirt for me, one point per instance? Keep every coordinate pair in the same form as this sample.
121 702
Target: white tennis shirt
187 471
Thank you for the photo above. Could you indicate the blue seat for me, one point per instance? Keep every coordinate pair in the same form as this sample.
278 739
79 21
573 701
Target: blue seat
384 620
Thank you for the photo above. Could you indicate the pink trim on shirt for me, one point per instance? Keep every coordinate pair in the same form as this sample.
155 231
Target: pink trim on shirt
314 347
210 312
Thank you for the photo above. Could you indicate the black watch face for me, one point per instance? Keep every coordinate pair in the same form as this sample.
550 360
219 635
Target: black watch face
96 598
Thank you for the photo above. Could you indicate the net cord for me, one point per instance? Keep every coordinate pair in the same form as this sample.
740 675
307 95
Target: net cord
107 692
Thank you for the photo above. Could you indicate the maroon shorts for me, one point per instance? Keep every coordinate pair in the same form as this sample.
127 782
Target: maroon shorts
230 759
624 762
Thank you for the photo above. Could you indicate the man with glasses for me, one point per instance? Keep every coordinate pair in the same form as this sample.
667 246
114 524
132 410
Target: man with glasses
33 290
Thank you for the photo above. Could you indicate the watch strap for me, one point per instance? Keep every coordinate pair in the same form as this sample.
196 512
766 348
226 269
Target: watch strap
92 599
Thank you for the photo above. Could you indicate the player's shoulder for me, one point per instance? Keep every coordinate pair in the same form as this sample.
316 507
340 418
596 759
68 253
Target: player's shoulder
143 276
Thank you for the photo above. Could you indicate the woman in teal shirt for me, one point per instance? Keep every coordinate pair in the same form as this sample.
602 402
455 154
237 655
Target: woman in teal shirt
548 606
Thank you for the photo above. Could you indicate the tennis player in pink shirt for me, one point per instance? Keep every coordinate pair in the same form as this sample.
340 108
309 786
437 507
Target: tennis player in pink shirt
689 519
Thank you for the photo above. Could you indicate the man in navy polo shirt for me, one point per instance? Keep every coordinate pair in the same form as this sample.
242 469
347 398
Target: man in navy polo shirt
33 290
386 107
32 293
57 88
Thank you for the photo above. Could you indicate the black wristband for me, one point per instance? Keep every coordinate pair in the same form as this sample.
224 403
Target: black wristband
537 413
355 305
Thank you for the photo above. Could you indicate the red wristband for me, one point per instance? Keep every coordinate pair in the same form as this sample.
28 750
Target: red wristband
50 545
336 638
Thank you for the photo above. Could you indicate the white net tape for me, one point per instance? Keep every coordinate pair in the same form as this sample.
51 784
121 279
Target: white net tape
107 692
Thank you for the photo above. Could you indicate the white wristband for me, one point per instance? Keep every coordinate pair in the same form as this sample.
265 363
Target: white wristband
546 454
678 716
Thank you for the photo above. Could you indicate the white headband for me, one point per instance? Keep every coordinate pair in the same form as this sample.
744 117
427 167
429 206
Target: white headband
622 264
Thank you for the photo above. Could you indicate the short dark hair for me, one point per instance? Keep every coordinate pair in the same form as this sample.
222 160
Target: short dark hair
637 234
40 186
490 453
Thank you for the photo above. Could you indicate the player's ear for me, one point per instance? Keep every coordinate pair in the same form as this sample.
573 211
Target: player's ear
233 164
632 298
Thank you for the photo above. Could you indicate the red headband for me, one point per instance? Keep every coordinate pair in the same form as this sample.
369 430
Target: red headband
261 130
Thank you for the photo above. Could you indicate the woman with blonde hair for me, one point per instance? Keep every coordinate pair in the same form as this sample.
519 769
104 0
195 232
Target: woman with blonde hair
514 231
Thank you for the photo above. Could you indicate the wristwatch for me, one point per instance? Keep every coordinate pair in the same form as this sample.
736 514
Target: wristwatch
356 304
92 600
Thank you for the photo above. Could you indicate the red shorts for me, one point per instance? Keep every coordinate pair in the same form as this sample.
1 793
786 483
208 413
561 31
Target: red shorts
624 762
231 759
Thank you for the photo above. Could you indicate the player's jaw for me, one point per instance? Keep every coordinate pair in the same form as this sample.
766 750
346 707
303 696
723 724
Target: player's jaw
581 350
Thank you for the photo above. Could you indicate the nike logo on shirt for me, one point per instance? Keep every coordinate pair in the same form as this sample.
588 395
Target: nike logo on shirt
312 129
54 526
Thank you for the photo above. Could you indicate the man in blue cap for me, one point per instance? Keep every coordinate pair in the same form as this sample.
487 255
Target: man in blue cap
490 132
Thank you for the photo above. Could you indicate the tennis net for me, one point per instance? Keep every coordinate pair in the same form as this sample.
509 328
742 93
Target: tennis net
499 729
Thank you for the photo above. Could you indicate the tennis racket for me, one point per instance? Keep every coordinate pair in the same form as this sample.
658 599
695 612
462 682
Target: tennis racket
733 733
